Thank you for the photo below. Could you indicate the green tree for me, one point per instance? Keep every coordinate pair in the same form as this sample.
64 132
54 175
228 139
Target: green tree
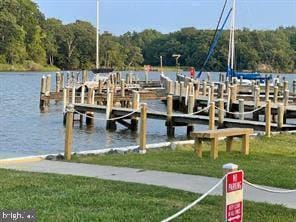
12 47
52 29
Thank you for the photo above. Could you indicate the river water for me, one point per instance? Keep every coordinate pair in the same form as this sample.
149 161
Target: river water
25 131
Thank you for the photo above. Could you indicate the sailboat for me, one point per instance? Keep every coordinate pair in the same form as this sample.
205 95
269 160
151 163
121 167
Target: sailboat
231 56
230 73
99 69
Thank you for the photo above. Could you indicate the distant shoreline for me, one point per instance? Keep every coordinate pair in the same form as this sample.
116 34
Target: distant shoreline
6 68
28 67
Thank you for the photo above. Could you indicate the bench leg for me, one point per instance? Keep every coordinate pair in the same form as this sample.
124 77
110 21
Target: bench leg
229 142
245 144
198 147
214 148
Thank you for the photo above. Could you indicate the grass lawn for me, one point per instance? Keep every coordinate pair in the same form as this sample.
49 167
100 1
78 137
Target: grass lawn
69 198
272 161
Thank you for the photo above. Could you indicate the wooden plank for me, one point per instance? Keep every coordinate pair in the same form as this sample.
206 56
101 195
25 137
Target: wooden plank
222 133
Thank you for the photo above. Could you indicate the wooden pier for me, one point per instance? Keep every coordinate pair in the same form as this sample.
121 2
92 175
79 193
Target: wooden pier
223 104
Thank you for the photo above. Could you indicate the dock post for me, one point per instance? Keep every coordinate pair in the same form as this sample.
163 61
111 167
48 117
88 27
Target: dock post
241 80
135 106
181 105
69 132
143 129
177 88
256 103
89 115
58 82
212 98
234 92
84 76
100 86
186 95
220 91
204 88
47 88
221 113
267 89
230 99
190 107
170 89
122 92
73 94
196 89
286 97
227 85
82 95
294 91
222 77
212 116
118 77
64 100
127 78
268 118
241 109
110 124
286 103
62 81
280 119
169 123
286 86
122 88
42 102
275 94
253 86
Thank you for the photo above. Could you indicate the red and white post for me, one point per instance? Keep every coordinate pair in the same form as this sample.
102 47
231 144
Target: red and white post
233 193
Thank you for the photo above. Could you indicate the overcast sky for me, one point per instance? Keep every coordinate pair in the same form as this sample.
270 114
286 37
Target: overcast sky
120 16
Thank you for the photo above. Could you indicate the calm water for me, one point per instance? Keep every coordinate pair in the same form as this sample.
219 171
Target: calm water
25 131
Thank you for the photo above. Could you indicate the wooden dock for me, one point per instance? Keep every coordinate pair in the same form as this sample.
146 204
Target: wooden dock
190 102
180 119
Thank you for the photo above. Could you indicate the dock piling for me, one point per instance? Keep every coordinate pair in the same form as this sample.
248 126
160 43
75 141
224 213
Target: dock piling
169 123
143 129
221 113
69 132
280 119
268 118
212 116
241 109
135 106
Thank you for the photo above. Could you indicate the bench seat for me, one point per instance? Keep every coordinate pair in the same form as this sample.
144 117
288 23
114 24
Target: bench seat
214 135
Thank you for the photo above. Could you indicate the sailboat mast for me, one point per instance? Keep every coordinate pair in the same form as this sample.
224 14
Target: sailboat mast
230 45
232 28
98 34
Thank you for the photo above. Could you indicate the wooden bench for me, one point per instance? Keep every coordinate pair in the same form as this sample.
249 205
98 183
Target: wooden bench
213 136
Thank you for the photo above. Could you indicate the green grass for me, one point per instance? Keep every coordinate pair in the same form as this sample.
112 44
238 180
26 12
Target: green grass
70 198
272 161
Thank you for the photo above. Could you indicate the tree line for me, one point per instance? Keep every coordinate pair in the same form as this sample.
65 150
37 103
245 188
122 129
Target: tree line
26 35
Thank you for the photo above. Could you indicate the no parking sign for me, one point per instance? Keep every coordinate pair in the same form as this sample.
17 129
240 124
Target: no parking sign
234 196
